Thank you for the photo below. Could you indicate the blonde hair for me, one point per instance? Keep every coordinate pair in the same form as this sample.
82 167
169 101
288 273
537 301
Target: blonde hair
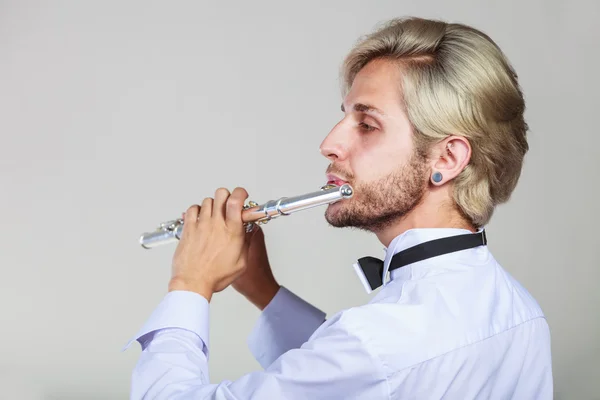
456 81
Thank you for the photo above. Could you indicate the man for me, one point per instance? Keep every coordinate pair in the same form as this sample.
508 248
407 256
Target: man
432 139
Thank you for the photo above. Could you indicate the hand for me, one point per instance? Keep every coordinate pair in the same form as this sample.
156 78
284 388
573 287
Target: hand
257 282
213 249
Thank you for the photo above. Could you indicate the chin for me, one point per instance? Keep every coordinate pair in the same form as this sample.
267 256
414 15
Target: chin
336 215
331 212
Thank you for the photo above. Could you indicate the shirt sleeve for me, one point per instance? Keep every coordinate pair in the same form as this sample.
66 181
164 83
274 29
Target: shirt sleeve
284 324
173 364
179 309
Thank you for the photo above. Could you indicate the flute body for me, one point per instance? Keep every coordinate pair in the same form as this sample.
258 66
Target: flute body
171 231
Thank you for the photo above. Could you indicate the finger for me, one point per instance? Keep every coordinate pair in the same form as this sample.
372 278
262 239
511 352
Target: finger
235 206
205 210
221 197
191 215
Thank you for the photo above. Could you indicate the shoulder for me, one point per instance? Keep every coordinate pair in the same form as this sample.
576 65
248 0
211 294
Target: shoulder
413 321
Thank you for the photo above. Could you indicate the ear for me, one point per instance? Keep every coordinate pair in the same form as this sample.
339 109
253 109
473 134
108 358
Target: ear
449 158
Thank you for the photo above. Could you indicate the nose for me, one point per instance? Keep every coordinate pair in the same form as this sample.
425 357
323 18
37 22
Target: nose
336 144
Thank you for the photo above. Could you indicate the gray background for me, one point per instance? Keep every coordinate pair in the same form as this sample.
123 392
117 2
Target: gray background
116 116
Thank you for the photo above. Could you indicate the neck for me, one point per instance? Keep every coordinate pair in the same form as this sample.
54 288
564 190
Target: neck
425 216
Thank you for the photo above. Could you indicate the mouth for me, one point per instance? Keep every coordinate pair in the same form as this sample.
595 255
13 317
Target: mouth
335 180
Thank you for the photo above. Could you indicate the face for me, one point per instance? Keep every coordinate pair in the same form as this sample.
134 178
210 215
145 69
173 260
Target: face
372 149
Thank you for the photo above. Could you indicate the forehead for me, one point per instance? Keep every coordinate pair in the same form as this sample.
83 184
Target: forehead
378 83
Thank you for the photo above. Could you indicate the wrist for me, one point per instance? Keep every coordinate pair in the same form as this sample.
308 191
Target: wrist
202 288
262 295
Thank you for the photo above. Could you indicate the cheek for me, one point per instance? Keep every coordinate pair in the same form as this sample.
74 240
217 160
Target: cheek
378 155
374 166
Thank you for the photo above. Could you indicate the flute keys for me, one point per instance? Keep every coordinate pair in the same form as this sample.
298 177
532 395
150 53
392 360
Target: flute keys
170 225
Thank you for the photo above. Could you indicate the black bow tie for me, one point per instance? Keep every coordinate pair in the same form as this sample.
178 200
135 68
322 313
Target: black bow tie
372 267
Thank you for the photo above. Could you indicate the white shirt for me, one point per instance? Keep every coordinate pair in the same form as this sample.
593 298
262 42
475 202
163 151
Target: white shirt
455 326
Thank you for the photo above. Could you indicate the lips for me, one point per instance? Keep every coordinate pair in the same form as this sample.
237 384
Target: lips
335 180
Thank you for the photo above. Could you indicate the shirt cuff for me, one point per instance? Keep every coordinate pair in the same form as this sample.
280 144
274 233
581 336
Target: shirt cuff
286 323
178 309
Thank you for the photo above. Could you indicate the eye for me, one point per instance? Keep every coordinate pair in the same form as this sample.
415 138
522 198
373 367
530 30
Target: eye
366 127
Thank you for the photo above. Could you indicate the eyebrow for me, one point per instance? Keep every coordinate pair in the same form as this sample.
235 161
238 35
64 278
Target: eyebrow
365 108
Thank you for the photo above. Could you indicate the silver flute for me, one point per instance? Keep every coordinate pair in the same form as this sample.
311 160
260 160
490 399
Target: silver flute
255 214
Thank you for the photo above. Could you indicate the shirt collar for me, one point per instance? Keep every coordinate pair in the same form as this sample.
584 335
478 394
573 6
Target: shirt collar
410 238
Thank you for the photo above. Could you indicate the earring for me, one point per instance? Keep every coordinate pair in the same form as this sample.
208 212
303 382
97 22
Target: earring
437 177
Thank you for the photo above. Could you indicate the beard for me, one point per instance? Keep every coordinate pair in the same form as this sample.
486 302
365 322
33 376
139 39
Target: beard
378 204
